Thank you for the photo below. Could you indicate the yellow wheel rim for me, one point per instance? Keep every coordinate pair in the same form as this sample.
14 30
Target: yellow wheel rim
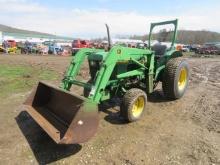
182 79
138 106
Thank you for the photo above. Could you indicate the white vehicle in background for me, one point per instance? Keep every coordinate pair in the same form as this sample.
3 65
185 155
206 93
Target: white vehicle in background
185 48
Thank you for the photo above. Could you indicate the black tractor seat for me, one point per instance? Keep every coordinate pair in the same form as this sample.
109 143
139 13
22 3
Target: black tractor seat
159 50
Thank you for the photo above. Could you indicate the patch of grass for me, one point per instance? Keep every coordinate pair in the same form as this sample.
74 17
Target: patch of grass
17 79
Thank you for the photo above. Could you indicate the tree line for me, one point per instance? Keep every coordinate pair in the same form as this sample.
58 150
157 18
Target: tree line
184 36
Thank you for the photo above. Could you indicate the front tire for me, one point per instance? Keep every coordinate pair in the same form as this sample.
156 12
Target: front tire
133 104
175 78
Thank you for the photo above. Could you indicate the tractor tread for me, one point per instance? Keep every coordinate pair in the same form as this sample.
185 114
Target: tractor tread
170 73
128 100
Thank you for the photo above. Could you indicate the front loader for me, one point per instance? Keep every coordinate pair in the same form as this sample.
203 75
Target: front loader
127 73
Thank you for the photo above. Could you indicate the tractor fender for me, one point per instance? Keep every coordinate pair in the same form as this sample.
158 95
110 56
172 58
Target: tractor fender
174 54
170 54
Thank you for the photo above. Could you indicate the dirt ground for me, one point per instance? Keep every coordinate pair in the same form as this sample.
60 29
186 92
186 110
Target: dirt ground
185 131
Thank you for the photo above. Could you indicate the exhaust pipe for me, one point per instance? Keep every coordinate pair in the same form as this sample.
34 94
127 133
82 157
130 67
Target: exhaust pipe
109 37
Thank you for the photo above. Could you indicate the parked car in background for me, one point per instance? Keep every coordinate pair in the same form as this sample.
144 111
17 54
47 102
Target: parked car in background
78 44
209 49
141 45
194 47
55 49
218 48
27 48
11 43
186 48
42 49
11 46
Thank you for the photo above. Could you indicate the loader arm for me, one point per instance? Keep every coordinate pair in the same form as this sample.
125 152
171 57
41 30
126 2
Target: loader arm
74 67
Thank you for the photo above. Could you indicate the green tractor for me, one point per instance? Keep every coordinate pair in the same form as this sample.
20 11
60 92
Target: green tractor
130 74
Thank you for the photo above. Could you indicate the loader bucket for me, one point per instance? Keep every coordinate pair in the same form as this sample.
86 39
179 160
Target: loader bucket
67 118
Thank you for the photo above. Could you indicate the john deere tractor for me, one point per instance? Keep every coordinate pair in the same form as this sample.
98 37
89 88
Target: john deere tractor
130 74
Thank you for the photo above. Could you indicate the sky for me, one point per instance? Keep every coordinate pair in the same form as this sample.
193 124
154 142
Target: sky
86 18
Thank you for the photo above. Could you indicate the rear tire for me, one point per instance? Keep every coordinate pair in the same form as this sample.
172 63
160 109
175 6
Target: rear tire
175 78
133 104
